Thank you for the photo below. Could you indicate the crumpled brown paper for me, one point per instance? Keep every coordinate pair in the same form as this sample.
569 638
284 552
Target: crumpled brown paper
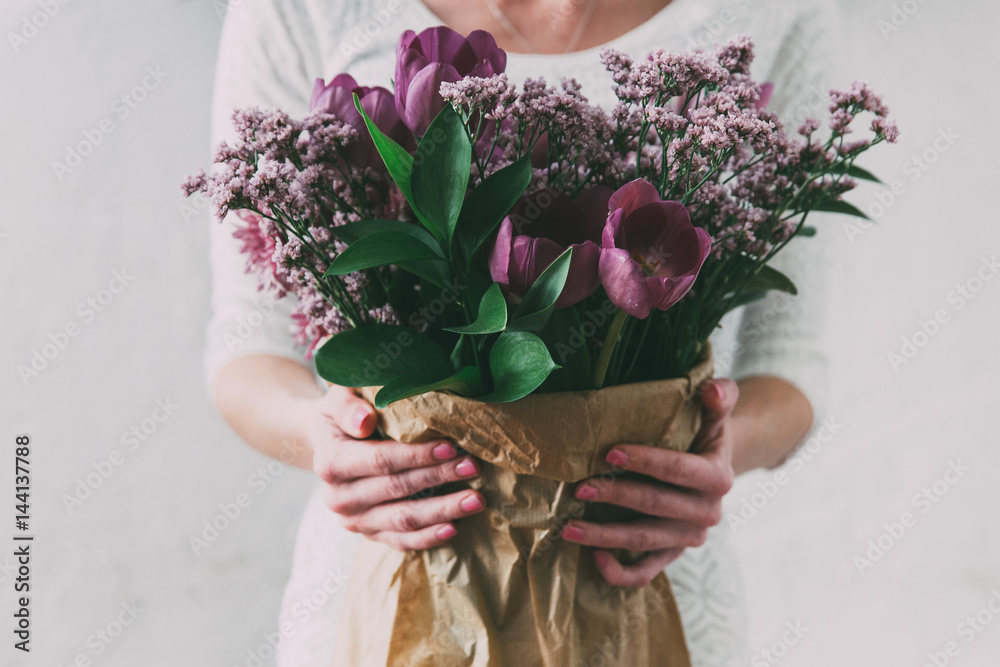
507 590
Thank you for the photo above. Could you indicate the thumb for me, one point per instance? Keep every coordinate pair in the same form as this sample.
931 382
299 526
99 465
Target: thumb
718 398
352 414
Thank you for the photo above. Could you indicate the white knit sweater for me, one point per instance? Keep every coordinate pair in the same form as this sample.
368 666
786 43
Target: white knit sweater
273 50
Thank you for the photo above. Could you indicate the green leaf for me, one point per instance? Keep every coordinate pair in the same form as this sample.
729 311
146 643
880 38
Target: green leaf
839 206
806 231
769 278
536 307
492 314
397 160
489 202
380 249
437 272
377 354
440 174
743 299
855 171
519 362
353 231
466 382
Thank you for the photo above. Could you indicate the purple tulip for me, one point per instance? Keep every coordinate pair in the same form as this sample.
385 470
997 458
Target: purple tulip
337 98
439 54
538 230
650 252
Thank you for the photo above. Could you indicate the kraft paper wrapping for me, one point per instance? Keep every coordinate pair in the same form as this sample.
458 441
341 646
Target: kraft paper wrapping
507 590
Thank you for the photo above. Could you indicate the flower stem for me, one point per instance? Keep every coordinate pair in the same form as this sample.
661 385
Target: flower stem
610 341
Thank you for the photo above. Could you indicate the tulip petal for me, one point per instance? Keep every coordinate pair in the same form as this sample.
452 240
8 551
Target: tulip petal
441 44
423 100
529 257
500 254
633 195
665 292
583 278
624 282
344 81
485 47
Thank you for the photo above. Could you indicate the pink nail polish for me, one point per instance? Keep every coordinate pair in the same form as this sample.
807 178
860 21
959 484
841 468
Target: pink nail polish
466 468
360 417
586 493
444 451
471 504
572 533
617 457
446 532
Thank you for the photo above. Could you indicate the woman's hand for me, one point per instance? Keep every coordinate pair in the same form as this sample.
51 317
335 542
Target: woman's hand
369 481
681 506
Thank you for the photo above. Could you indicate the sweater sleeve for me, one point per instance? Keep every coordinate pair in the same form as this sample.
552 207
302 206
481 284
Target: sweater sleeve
266 56
783 335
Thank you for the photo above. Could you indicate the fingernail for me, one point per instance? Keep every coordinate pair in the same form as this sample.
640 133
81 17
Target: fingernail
586 493
617 457
471 504
601 559
572 533
444 451
446 532
720 392
360 417
466 468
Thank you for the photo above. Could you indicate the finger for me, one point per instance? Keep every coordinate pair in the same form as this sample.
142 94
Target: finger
352 414
704 473
718 399
431 536
654 499
409 516
361 494
371 458
645 534
637 574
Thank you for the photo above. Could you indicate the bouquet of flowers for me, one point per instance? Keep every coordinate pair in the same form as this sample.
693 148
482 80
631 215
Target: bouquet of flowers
516 269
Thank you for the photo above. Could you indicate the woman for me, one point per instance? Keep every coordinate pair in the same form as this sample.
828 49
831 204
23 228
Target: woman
271 52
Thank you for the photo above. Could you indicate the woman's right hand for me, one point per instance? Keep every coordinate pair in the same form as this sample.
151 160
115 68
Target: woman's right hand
369 481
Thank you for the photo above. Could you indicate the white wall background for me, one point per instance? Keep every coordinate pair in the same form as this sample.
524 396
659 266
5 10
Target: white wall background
61 240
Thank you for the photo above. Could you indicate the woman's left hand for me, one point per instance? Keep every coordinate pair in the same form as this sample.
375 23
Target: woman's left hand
684 502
